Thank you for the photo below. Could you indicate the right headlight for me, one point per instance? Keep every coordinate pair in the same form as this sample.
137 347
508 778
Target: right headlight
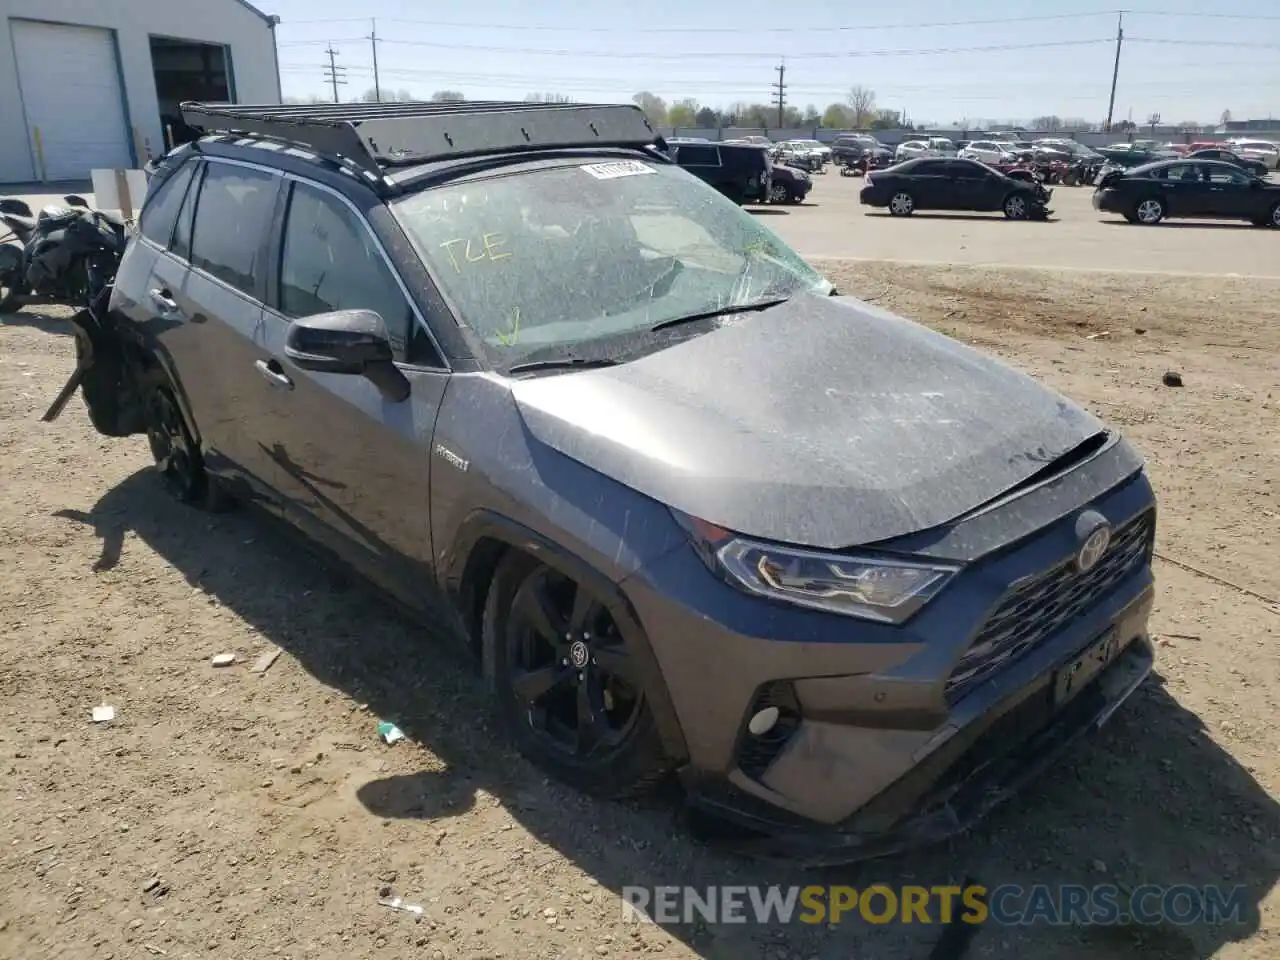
881 588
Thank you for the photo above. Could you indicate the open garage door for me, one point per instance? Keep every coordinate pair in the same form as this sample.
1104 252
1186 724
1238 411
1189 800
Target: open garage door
71 93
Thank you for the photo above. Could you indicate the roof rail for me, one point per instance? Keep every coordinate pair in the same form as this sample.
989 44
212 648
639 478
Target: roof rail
377 135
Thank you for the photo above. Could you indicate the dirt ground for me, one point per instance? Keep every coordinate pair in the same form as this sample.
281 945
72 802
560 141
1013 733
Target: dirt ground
225 813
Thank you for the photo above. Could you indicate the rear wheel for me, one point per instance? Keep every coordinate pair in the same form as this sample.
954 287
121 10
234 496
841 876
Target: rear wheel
902 204
1148 211
176 453
568 687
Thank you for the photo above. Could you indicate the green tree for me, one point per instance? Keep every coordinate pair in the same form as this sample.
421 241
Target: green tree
683 113
707 118
448 96
837 117
654 107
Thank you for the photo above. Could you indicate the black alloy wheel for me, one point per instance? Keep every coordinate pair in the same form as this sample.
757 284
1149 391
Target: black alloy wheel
175 453
569 687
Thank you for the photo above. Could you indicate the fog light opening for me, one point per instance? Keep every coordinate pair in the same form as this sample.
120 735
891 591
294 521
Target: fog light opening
763 721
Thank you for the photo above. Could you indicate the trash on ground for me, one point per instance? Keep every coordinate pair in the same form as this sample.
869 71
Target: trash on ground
103 714
1099 336
390 732
264 662
395 903
223 659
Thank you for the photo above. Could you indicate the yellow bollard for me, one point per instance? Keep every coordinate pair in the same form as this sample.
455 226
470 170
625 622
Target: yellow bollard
40 167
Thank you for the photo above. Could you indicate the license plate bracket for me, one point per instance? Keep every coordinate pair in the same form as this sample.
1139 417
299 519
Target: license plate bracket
1076 674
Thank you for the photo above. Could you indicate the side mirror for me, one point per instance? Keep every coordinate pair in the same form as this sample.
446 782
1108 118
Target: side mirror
75 200
347 342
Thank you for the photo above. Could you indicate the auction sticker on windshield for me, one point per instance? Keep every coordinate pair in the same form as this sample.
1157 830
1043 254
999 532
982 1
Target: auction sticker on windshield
616 169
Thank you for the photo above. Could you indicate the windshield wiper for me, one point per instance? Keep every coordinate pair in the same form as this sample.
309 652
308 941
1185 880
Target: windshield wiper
719 312
562 363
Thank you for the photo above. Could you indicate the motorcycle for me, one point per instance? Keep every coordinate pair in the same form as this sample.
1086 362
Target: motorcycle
65 255
1081 173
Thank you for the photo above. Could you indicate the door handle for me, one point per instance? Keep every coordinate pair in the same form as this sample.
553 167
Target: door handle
274 373
163 301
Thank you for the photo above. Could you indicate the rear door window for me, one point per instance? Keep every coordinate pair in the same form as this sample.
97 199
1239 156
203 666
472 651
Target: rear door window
232 214
696 155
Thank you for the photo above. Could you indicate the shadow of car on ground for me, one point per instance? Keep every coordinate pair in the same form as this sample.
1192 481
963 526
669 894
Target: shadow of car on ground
30 317
1151 800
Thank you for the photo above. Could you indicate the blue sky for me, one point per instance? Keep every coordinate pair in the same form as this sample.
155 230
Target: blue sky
933 59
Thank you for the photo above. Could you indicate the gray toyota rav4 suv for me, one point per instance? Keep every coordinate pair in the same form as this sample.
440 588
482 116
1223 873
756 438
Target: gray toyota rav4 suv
696 512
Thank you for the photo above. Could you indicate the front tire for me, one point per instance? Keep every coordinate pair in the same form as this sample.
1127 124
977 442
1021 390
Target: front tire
568 688
778 193
1273 220
1016 207
902 204
1148 212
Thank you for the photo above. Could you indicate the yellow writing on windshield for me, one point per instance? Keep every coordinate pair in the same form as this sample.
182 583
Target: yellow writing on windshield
512 335
488 248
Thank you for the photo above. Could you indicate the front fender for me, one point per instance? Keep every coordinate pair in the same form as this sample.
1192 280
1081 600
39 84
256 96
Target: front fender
480 541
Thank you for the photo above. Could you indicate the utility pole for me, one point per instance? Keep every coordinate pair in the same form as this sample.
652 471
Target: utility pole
334 73
373 40
780 91
1115 73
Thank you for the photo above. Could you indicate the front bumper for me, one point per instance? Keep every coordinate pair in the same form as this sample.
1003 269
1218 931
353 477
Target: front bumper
966 780
888 740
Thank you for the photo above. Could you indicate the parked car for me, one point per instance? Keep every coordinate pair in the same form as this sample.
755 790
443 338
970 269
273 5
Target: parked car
1263 150
912 149
854 149
788 185
801 158
817 146
986 151
1256 168
1187 188
1129 155
691 510
741 171
939 184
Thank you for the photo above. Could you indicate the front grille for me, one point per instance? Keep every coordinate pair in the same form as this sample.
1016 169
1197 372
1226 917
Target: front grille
1041 606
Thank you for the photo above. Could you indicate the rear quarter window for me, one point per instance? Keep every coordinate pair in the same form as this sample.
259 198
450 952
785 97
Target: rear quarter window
161 210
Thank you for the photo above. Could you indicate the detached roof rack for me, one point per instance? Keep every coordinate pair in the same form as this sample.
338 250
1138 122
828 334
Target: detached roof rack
373 136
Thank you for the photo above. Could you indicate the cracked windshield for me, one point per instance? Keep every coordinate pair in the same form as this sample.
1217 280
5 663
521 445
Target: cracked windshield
576 253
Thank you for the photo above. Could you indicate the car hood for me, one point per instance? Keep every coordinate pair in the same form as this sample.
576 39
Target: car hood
822 421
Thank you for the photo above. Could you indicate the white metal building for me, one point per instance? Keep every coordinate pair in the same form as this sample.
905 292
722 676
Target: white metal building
88 84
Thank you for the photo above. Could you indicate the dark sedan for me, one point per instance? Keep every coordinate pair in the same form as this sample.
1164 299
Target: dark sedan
1254 168
1188 188
930 183
789 185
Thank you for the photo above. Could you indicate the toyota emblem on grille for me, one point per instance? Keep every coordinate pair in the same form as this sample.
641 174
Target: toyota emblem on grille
1094 546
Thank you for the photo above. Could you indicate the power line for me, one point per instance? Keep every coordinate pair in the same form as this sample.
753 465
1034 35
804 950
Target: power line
833 28
335 74
740 55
